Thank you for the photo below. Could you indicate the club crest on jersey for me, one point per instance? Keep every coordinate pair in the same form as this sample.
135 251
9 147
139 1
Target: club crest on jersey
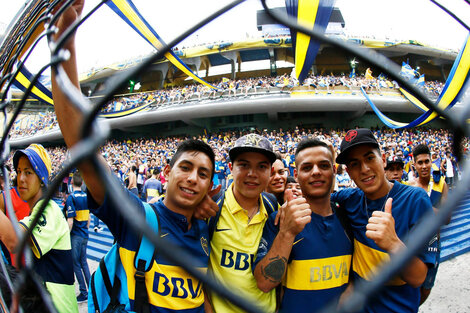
205 245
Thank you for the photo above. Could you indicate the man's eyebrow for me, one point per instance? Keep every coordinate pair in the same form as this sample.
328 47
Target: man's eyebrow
191 163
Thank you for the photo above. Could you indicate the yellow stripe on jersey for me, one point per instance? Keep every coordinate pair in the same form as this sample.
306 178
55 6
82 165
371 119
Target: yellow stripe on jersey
153 193
318 274
34 245
367 260
82 215
168 286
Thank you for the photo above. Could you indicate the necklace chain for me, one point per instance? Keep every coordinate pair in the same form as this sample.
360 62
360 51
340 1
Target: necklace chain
383 205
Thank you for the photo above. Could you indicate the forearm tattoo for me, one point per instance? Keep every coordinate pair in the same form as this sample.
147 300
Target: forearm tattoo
274 270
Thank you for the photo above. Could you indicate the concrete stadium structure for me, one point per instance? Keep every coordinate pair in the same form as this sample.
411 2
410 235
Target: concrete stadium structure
342 108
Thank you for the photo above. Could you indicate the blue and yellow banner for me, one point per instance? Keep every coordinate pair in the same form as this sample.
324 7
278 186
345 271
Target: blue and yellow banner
129 13
40 92
458 76
312 14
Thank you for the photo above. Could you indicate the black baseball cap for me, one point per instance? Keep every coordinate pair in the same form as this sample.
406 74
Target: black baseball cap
393 159
353 138
252 143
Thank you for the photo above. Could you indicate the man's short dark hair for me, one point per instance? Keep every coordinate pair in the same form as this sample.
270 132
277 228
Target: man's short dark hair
278 155
194 145
421 149
310 143
77 179
156 172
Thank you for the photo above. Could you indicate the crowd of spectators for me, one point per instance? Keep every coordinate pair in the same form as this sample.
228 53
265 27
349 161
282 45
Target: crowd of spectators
147 154
33 125
227 89
128 102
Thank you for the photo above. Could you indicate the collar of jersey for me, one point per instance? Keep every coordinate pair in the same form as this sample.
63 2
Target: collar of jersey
179 219
234 207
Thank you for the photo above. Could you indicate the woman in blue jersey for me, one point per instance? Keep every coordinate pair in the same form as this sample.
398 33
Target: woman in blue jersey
50 238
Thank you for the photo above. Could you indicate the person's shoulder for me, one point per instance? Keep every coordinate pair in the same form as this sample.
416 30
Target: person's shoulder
410 187
347 192
412 192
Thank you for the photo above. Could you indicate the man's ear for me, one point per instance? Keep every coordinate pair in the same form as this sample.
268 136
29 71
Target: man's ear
295 173
166 171
230 166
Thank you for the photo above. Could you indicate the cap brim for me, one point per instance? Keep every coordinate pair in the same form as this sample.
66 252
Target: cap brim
234 152
395 162
342 157
16 157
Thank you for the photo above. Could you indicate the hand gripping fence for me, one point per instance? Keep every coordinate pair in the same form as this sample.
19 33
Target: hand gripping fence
93 135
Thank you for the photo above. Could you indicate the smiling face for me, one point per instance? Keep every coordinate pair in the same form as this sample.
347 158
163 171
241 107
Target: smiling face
188 181
315 172
251 172
292 191
29 184
277 181
366 167
423 165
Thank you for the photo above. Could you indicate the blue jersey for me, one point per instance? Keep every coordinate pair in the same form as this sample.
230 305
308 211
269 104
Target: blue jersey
221 168
409 205
77 208
319 263
152 189
169 287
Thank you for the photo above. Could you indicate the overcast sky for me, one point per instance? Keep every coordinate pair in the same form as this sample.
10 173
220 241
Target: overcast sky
105 38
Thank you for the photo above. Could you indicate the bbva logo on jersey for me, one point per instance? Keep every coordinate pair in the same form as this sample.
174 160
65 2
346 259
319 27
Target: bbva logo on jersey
176 287
239 261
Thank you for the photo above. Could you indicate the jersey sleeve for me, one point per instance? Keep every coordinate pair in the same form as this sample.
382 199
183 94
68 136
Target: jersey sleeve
269 234
340 196
423 208
50 227
70 209
111 216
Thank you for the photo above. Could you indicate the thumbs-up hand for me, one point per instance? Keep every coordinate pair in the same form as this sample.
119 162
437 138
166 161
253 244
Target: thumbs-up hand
295 215
381 229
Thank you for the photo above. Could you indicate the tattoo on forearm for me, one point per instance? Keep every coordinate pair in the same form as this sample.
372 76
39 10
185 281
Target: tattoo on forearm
274 270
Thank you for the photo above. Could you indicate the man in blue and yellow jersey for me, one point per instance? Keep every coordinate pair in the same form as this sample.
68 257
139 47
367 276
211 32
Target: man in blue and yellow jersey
380 225
430 179
78 217
189 178
309 252
238 230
